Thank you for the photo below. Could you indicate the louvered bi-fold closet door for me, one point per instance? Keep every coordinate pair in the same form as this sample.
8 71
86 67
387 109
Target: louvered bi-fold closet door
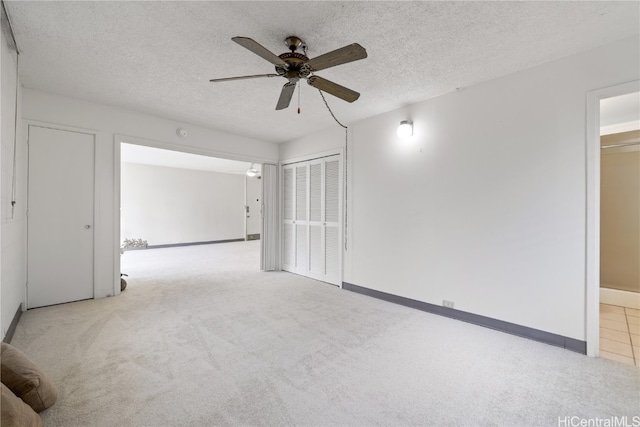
295 214
301 218
311 219
316 204
288 214
331 220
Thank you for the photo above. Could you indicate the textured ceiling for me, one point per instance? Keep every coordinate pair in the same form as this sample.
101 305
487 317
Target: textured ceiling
157 57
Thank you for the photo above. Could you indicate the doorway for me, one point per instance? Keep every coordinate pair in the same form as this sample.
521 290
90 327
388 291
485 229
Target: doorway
607 188
60 216
170 200
620 228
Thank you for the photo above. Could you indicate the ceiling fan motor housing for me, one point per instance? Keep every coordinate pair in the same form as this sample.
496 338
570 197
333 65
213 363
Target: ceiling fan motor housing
296 69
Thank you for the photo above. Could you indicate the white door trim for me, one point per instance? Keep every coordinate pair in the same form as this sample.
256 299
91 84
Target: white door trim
592 284
314 156
30 122
116 213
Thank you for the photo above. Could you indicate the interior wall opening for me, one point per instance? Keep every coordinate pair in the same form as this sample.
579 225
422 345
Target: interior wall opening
175 204
620 228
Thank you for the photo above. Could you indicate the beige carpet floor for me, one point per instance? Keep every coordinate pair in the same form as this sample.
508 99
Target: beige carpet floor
201 337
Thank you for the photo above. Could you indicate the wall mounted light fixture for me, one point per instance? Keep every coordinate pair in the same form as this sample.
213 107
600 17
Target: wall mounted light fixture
405 130
252 171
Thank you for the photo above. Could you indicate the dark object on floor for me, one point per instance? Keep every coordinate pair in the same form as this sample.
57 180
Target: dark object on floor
123 283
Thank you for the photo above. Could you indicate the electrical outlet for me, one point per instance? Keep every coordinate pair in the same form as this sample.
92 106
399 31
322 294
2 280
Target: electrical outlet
446 303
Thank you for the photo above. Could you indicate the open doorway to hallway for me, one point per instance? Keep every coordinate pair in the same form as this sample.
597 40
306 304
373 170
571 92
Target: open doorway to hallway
171 200
620 228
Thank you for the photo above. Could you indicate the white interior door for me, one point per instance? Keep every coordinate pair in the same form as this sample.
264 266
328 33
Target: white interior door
253 205
60 216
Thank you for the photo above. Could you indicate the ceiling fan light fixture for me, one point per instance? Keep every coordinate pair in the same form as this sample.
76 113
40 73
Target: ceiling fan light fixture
252 171
405 130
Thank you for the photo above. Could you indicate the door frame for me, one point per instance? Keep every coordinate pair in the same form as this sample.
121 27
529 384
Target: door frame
306 158
592 271
97 223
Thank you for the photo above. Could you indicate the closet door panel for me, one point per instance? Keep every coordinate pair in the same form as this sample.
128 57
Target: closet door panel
332 198
302 250
332 255
288 214
315 192
332 190
316 241
316 252
288 193
301 193
301 216
289 247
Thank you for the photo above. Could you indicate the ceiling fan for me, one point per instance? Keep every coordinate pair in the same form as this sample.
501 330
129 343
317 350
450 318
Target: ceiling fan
294 66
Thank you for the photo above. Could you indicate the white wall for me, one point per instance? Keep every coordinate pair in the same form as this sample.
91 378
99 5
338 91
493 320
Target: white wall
485 206
166 205
108 122
13 228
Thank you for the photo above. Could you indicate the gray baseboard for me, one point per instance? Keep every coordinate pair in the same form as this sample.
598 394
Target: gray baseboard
175 245
12 327
476 319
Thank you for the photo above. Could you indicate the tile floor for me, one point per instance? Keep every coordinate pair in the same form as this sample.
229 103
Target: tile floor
620 334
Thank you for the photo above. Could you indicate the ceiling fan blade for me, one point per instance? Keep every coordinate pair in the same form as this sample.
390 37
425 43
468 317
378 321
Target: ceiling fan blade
256 76
333 88
285 95
353 52
259 50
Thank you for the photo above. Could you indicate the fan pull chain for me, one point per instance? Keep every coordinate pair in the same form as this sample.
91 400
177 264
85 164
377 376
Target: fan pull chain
346 170
299 98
